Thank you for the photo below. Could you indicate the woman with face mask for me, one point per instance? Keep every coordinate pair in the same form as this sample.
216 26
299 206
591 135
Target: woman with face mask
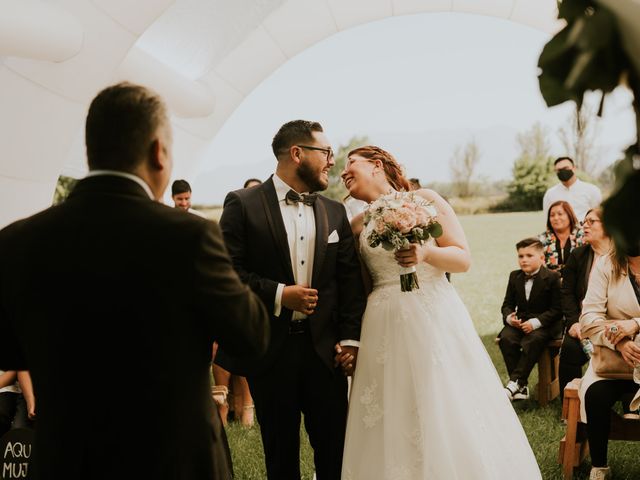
562 235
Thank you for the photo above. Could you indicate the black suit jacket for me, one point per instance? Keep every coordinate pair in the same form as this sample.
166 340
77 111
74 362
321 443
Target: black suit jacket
544 300
574 282
256 238
112 301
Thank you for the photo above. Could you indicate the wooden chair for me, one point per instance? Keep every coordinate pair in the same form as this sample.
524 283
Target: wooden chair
574 445
548 365
548 387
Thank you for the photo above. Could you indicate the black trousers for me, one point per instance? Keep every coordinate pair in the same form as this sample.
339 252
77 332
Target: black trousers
521 351
300 383
599 399
572 359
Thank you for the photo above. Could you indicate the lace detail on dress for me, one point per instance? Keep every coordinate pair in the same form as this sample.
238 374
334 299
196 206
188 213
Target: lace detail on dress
371 406
382 352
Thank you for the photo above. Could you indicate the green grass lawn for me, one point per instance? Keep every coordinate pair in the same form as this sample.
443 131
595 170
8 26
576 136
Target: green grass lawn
492 238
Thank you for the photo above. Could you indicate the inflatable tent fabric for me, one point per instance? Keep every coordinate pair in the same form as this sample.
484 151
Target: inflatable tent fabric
202 56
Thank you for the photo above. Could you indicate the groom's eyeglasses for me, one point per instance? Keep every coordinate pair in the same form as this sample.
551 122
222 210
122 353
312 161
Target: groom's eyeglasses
327 151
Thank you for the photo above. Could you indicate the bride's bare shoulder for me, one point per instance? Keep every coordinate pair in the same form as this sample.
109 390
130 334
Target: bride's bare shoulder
357 223
440 203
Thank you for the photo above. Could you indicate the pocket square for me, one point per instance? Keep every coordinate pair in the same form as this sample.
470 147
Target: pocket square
333 238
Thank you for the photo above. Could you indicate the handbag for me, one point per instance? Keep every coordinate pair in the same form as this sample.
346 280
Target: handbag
609 363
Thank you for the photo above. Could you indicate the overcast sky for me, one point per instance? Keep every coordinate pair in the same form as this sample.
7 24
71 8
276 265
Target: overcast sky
418 86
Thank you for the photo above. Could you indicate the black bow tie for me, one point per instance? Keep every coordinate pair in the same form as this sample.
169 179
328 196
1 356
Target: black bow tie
530 277
293 197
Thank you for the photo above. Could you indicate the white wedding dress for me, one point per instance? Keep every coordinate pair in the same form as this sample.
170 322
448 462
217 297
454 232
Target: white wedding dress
426 401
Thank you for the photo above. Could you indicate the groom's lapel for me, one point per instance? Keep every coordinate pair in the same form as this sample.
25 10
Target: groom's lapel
322 236
276 225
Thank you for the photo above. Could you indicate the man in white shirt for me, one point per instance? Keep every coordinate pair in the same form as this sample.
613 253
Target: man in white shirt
582 196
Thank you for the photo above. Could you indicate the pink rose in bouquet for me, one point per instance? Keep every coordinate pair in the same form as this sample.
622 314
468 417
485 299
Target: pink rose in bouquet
400 219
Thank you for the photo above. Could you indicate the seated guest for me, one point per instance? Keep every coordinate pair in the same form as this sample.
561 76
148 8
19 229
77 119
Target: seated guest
574 287
225 382
563 234
531 314
610 319
13 409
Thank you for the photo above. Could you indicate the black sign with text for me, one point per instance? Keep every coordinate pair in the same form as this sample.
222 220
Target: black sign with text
15 447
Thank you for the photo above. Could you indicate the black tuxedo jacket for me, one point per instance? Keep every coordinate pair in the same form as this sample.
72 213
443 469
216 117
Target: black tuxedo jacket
544 300
575 279
256 238
112 301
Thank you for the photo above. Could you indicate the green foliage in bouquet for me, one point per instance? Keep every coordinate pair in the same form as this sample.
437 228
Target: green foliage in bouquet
392 240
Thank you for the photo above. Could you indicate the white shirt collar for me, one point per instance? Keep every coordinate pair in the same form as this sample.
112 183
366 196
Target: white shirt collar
130 176
282 188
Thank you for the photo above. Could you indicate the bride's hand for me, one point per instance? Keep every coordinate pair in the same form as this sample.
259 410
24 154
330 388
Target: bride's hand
411 255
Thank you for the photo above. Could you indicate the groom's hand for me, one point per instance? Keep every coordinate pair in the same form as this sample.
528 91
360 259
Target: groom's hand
346 357
300 298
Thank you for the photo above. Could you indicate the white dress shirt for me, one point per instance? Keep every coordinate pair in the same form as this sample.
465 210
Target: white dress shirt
300 224
528 285
582 196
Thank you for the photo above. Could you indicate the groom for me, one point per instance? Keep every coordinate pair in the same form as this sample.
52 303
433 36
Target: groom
296 251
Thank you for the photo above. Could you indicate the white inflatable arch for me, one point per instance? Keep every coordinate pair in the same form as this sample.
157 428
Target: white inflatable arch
202 56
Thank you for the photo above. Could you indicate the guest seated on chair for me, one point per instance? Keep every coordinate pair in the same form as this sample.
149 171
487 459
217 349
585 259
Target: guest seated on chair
562 235
14 409
610 319
575 277
531 314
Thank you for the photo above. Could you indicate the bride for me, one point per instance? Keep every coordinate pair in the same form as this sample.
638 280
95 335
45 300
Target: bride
426 401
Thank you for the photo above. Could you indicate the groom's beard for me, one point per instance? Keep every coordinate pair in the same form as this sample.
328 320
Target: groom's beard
311 178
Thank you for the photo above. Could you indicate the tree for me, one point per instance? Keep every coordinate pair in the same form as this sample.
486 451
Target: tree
463 165
532 171
63 188
578 138
336 189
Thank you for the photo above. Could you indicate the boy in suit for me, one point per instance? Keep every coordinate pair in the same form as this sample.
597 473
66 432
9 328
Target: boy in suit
531 313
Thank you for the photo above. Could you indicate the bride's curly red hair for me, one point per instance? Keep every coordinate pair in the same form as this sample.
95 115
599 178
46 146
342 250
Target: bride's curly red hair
392 169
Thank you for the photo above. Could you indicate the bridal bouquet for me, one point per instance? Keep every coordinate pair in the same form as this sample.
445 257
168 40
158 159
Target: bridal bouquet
399 219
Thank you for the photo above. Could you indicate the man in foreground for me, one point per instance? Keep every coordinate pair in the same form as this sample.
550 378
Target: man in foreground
113 301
